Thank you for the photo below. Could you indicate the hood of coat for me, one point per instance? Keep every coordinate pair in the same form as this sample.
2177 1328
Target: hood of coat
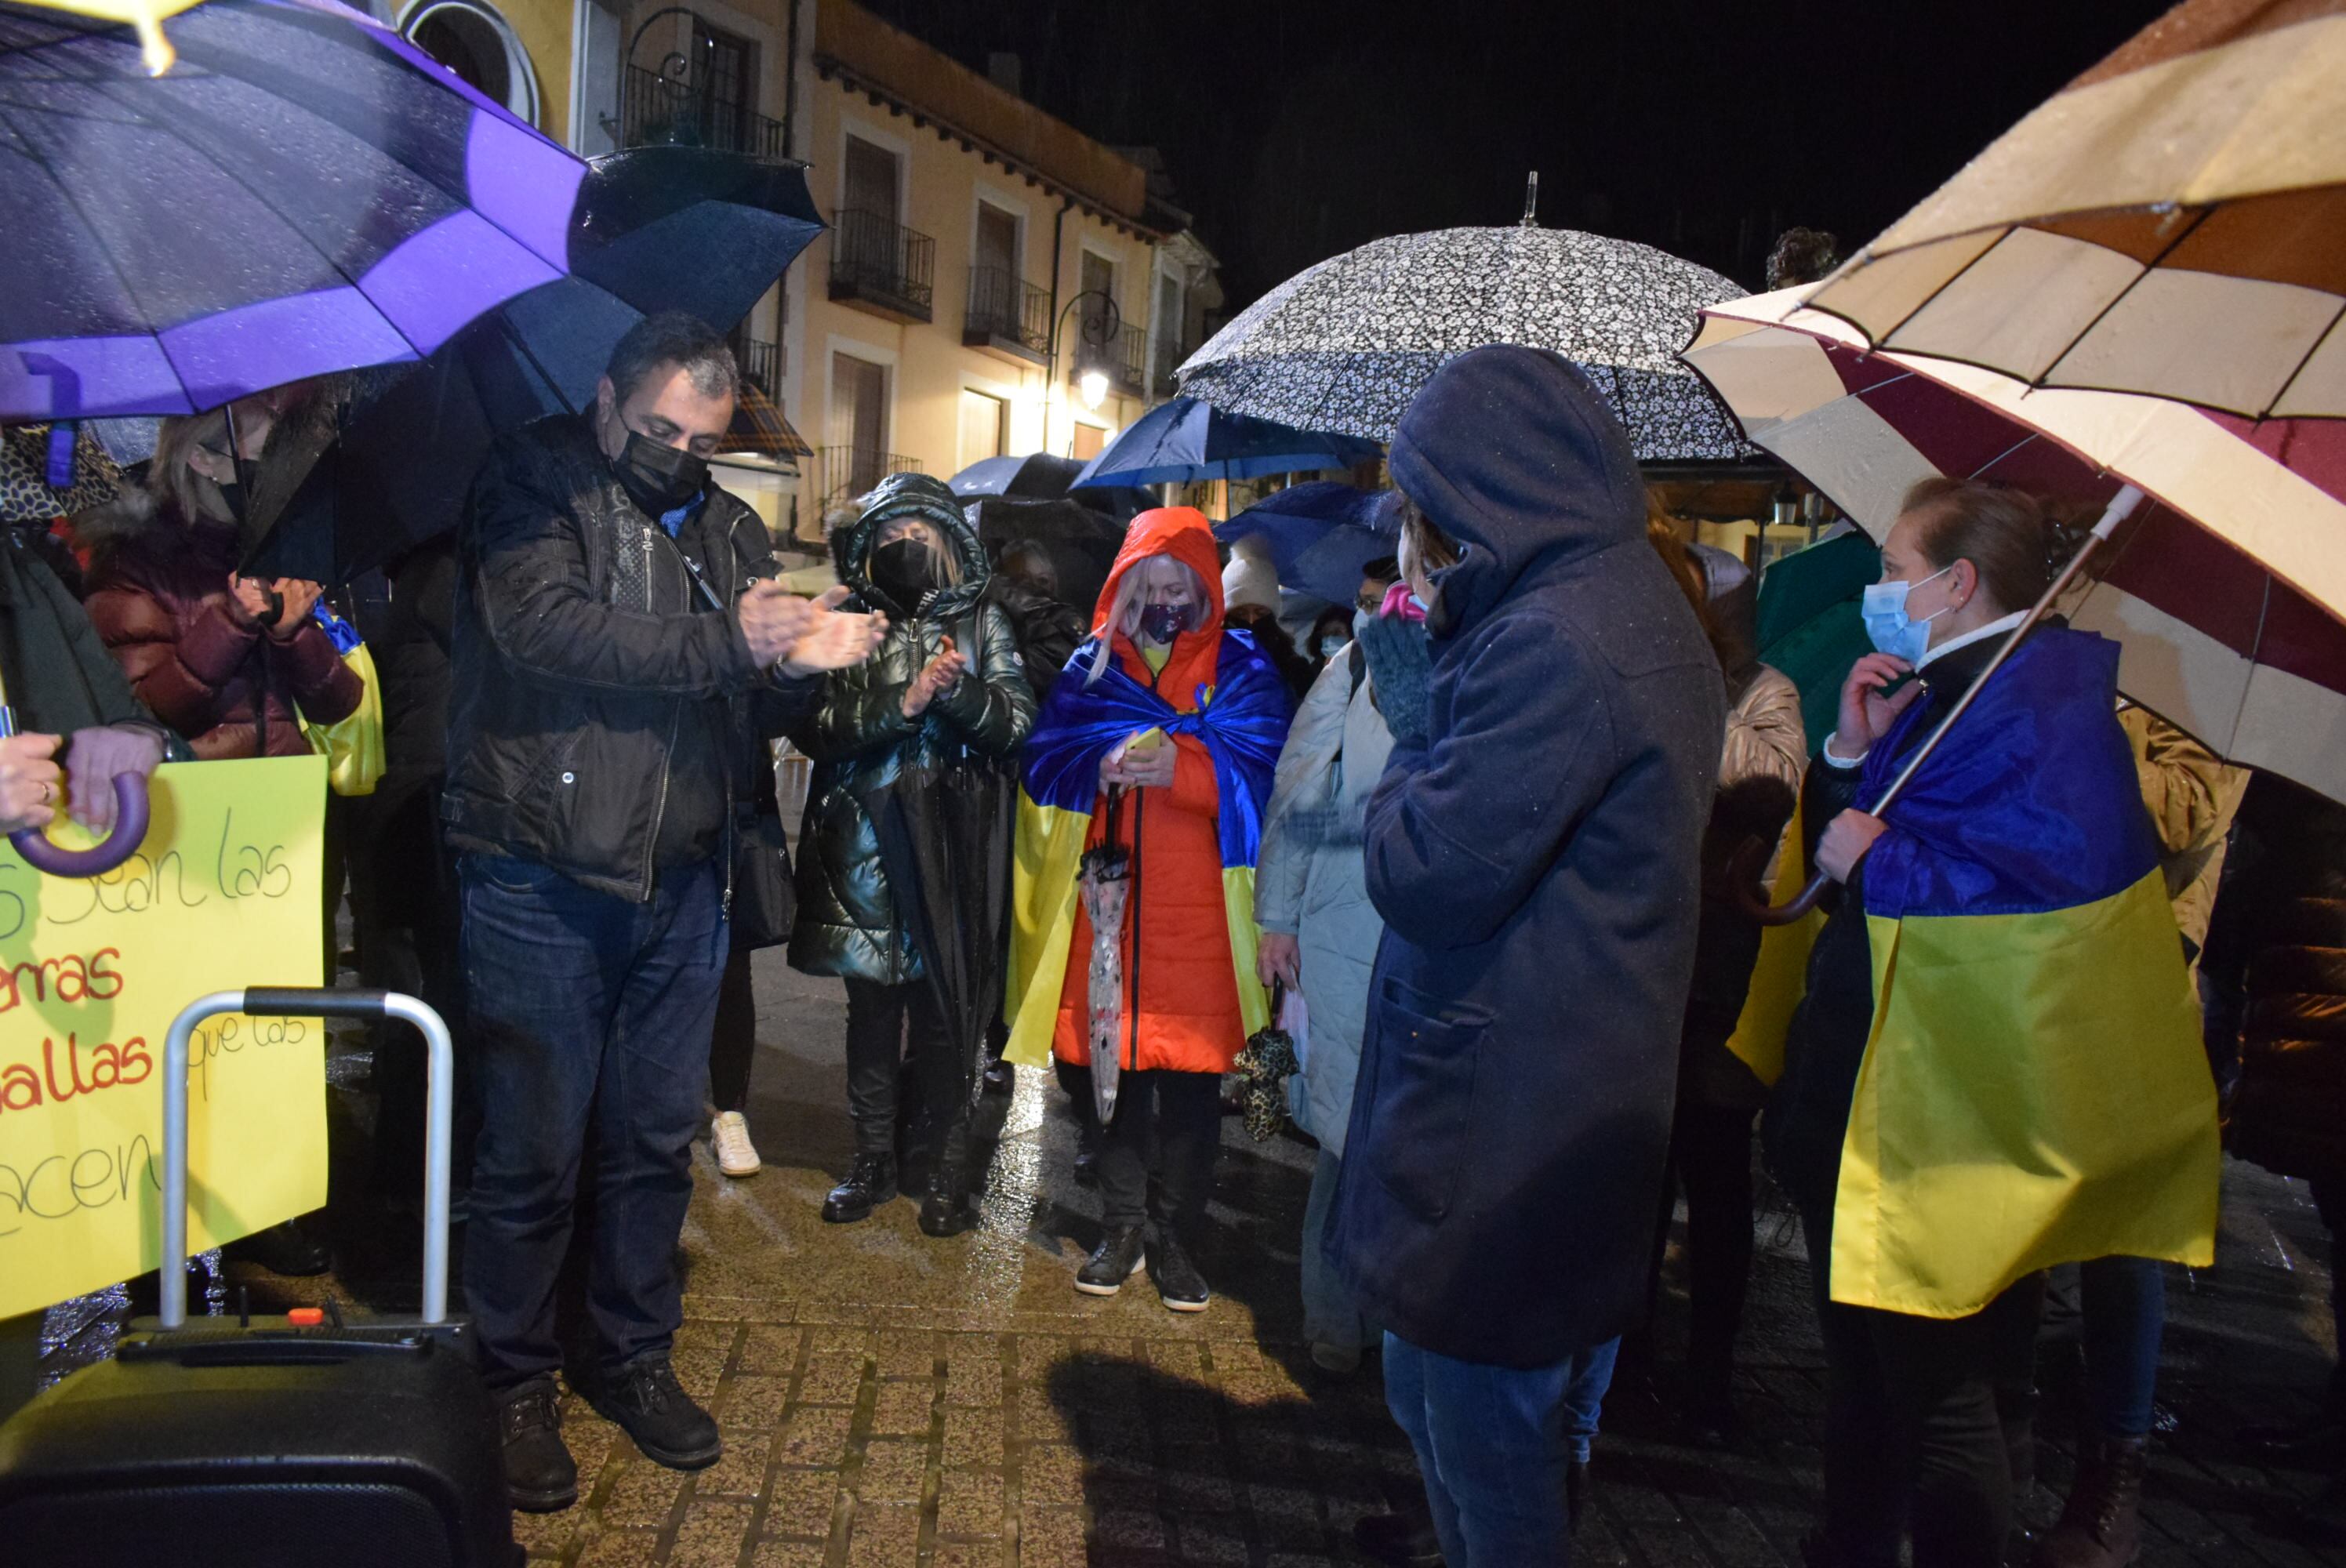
929 499
1184 533
1513 453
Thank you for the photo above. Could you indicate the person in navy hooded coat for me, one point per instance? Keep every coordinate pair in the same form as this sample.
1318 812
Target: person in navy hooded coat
1535 849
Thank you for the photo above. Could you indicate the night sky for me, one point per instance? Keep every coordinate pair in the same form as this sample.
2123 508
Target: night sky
1297 129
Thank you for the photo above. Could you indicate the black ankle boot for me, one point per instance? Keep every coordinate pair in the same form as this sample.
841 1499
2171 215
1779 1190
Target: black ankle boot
666 1423
540 1475
1112 1263
870 1182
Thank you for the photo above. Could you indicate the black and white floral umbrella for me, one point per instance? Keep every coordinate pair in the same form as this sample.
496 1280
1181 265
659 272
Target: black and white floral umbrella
1344 345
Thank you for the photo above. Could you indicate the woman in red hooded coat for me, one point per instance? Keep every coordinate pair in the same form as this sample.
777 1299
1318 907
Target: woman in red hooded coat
1190 788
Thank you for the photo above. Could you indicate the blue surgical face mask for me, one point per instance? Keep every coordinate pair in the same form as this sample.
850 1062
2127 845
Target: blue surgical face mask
1883 607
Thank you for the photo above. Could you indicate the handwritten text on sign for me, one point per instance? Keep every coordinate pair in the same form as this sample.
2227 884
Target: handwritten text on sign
224 893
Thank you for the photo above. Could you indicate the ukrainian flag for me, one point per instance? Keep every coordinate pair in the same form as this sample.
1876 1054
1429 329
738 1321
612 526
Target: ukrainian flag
2034 1089
1242 719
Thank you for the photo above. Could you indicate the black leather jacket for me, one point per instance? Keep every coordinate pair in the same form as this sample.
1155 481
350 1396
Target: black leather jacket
579 656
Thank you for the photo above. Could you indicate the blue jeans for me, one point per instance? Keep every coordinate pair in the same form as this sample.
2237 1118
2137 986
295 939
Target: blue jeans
2123 1301
591 1018
1493 1443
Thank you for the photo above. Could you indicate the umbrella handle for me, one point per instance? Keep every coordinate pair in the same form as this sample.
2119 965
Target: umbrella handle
130 813
1743 873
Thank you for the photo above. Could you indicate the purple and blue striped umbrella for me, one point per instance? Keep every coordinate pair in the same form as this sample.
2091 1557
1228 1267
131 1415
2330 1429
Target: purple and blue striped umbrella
303 193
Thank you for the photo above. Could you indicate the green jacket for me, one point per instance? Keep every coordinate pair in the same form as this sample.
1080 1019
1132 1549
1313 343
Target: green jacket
59 676
849 921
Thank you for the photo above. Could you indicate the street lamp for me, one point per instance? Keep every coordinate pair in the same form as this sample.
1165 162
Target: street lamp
1098 328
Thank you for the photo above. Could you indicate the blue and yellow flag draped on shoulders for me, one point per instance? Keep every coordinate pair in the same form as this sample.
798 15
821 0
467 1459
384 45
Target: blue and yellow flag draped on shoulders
1241 719
2033 1090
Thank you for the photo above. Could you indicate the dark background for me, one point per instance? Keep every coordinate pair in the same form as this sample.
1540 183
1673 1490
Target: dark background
1294 130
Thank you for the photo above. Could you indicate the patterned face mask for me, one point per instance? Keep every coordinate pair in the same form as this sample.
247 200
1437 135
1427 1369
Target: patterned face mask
1160 624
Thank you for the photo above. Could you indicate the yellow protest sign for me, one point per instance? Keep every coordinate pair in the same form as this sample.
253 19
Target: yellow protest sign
226 892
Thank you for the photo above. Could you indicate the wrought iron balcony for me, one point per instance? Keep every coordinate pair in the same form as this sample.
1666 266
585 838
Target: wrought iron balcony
1008 315
882 266
842 473
654 110
763 363
1122 354
1171 351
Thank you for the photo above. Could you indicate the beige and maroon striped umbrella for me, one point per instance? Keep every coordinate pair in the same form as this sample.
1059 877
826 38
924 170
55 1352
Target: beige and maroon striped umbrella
2227 591
2173 222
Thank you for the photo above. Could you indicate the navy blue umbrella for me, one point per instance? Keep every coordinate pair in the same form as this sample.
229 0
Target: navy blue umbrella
1184 440
303 193
1321 537
656 228
1030 476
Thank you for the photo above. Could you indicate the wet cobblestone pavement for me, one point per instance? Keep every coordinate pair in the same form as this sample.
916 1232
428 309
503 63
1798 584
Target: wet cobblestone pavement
892 1399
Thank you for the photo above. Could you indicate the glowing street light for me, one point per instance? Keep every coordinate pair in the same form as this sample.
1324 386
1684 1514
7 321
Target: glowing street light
1092 386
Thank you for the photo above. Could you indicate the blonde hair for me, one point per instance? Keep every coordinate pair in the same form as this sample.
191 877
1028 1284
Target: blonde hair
177 487
173 482
1124 610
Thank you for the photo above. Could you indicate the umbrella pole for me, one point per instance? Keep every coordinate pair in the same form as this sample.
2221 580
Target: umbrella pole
2120 508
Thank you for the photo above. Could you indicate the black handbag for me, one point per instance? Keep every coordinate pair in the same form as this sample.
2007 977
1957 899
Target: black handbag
764 901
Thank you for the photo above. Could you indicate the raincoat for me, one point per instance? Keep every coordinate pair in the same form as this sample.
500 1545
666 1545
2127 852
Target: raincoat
1537 863
850 922
1312 884
1189 948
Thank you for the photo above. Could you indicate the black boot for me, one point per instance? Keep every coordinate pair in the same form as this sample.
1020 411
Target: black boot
1403 1540
1178 1284
948 1208
1112 1263
870 1182
670 1429
540 1475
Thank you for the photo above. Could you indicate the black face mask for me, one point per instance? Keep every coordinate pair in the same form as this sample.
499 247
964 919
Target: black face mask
1160 624
907 571
660 478
232 497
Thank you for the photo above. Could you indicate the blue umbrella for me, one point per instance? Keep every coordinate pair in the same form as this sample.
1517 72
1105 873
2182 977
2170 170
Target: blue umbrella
1184 440
1321 537
1030 476
656 228
303 193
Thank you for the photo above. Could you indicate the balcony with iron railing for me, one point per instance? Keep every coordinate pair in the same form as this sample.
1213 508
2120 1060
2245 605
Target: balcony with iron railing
881 266
763 363
1172 351
655 110
1007 315
842 473
1120 352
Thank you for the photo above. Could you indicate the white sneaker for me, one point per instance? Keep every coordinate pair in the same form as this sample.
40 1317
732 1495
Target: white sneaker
736 1154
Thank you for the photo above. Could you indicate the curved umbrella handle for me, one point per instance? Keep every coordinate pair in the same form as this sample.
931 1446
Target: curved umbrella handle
1744 871
129 832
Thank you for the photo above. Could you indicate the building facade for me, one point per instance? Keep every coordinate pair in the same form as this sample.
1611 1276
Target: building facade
993 281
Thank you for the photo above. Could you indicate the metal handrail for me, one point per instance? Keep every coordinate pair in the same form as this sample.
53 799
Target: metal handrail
841 471
1004 305
656 110
878 255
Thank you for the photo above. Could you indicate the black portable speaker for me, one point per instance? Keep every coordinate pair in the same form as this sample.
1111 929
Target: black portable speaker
266 1443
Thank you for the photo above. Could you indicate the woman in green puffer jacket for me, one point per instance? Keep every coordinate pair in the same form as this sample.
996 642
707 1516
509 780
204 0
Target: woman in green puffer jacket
944 695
